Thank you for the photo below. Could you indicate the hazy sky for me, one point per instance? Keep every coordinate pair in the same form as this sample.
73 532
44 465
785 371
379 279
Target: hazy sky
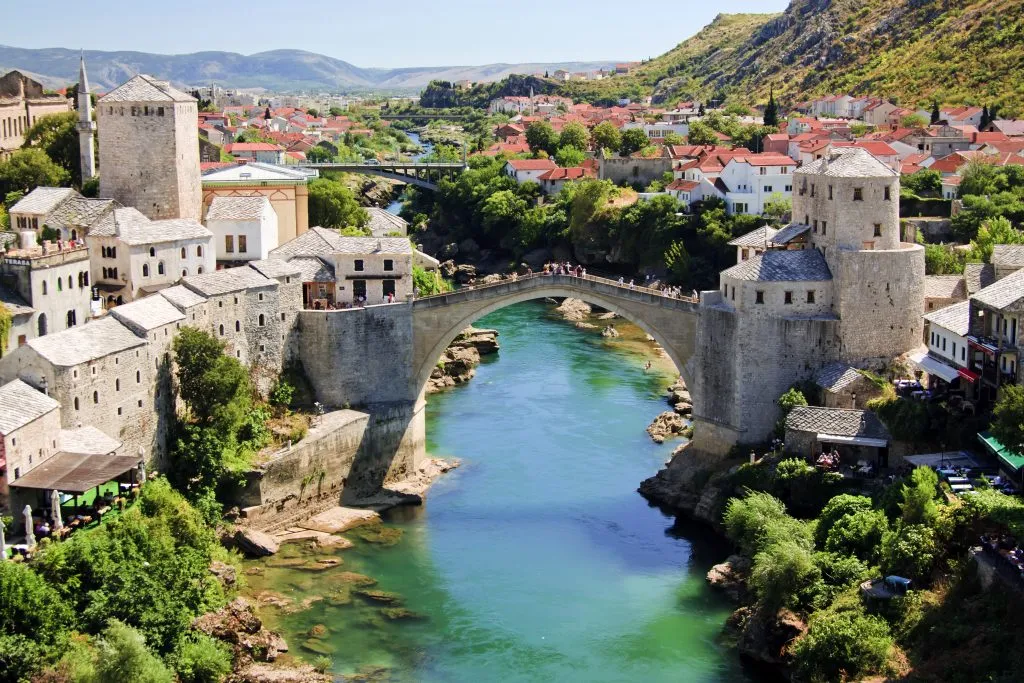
375 33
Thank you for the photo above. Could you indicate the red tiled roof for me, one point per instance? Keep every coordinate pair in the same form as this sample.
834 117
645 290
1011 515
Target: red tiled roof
532 164
684 185
876 147
570 173
233 147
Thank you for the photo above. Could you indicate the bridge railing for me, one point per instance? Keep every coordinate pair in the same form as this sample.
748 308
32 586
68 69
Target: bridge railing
664 293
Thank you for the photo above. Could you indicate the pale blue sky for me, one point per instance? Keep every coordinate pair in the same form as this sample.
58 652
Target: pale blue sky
376 33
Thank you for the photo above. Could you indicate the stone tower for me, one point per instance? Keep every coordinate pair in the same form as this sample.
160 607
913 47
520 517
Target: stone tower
86 126
149 148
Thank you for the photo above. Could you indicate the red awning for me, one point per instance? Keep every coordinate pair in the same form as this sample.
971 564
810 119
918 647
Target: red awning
968 375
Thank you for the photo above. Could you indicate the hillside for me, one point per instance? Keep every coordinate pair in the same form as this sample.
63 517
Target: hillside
287 70
915 51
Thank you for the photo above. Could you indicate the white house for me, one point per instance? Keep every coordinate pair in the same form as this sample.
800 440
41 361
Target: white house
263 152
659 129
244 228
523 170
749 182
946 334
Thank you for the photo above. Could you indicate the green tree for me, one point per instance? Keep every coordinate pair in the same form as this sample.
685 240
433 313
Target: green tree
837 508
701 133
993 231
919 496
909 550
842 645
574 135
336 111
936 114
428 282
123 656
789 400
923 183
27 169
859 534
501 211
943 259
332 205
778 206
201 659
34 621
315 113
633 140
540 136
56 135
781 571
318 154
771 110
678 261
673 138
1008 417
914 121
747 518
569 156
606 136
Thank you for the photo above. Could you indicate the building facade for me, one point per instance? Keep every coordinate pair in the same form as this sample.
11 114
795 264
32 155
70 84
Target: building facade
23 102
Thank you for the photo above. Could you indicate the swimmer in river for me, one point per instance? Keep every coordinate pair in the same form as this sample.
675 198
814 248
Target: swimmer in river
647 366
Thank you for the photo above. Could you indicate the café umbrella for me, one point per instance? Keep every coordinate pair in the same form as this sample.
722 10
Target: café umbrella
58 522
3 542
30 536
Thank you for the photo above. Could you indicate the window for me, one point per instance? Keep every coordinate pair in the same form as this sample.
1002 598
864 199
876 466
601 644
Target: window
282 317
789 188
388 288
858 194
759 297
788 298
199 250
389 264
138 377
260 296
117 385
262 320
810 296
95 397
359 289
184 272
733 289
888 193
744 255
76 403
160 268
221 330
72 318
943 343
119 410
815 225
242 244
159 111
830 192
152 251
145 270
60 284
824 227
238 326
878 230
200 270
358 264
229 244
44 287
963 353
767 188
183 255
812 189
807 219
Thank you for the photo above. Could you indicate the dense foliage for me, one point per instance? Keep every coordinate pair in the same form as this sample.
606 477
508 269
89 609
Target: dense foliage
332 205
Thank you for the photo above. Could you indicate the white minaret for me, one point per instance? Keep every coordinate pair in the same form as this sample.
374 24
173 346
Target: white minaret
86 126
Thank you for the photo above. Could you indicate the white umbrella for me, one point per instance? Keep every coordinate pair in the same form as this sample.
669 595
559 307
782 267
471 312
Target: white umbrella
58 523
142 465
3 543
30 535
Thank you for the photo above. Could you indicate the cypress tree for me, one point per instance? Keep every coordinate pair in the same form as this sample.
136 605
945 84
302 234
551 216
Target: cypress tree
935 113
771 112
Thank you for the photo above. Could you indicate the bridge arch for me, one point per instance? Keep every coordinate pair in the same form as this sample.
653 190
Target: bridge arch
438 320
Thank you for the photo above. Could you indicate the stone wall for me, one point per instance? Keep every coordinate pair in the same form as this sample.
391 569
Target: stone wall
629 170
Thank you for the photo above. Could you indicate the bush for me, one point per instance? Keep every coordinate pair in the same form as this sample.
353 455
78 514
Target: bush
781 571
123 656
918 505
909 551
789 400
282 394
838 507
859 534
842 645
804 488
745 519
201 659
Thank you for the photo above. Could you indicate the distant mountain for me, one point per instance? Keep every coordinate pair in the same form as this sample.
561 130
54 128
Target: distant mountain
283 70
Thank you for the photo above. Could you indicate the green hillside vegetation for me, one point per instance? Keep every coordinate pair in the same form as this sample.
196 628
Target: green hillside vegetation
955 52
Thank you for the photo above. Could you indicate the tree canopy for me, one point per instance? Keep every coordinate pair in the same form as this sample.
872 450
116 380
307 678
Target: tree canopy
332 205
29 168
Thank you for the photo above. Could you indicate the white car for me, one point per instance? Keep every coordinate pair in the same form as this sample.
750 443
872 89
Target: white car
371 162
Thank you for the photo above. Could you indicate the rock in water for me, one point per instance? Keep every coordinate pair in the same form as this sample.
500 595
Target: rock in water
574 310
730 576
256 543
665 425
610 332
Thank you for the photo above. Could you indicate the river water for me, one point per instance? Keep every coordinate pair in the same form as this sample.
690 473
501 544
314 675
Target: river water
536 560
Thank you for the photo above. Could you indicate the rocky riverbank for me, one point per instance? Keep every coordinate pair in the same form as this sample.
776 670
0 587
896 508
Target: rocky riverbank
457 364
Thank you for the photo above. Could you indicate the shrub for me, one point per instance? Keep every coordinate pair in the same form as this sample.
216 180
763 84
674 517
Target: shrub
282 394
781 571
919 496
746 518
859 534
909 551
201 659
125 657
838 507
789 400
842 645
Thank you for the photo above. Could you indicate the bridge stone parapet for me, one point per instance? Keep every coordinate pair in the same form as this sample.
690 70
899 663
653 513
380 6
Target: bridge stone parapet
426 175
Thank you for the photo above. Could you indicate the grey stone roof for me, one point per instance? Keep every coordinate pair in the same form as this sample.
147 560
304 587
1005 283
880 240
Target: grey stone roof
118 219
227 280
847 162
133 228
1002 293
758 237
145 88
838 421
978 276
945 287
21 404
837 376
86 441
790 233
148 313
955 318
382 222
237 208
1008 255
783 266
323 242
13 302
86 342
275 267
313 269
42 200
80 212
182 297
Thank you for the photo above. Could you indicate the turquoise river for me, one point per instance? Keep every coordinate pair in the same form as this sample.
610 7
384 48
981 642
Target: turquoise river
536 560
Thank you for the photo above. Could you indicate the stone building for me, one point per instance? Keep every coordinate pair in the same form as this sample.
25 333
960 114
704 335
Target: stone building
60 209
133 256
244 228
853 293
286 188
149 148
29 423
22 102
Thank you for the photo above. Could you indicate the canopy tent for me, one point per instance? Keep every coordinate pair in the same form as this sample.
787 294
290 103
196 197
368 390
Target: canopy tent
74 473
1010 460
933 367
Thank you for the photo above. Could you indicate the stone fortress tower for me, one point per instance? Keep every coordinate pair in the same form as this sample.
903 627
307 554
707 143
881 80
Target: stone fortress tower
149 148
836 285
86 126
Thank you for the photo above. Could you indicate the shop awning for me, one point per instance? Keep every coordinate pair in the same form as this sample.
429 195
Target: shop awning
74 473
1013 460
853 440
968 375
933 367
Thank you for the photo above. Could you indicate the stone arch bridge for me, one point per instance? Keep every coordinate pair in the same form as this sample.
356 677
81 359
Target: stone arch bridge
437 320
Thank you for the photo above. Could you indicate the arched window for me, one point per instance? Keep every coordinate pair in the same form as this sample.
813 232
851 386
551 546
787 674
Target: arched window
222 330
199 250
238 326
200 270
74 235
261 320
71 283
95 397
60 284
160 268
145 270
184 272
152 251
183 253
41 323
44 286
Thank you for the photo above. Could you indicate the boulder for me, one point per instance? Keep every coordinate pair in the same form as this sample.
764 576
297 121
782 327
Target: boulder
665 425
608 316
585 326
464 273
491 279
237 624
338 519
484 341
449 251
683 408
225 573
447 269
256 543
574 310
610 332
469 249
268 673
730 577
767 637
